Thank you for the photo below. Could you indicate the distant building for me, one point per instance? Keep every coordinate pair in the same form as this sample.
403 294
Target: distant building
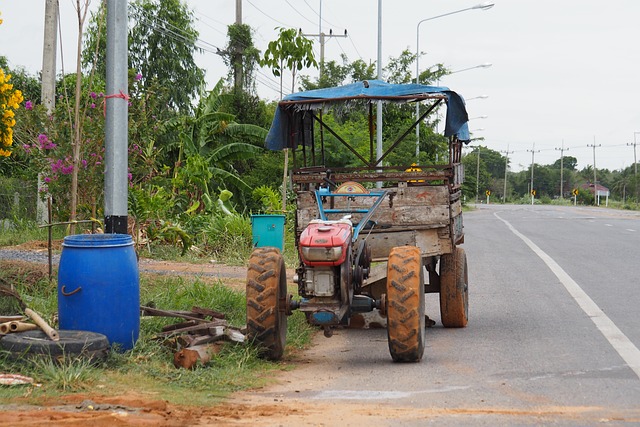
598 191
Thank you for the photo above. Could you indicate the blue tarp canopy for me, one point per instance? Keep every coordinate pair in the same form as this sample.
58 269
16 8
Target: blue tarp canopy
286 130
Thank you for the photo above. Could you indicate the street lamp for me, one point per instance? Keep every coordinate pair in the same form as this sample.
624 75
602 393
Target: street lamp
481 6
484 65
478 97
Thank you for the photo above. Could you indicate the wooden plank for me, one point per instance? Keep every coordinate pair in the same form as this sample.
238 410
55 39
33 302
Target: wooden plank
411 207
207 328
208 312
150 311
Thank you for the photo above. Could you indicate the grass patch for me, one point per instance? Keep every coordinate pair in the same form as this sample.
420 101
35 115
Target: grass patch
148 368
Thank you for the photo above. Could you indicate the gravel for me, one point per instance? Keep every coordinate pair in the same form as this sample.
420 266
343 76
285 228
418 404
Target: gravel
28 256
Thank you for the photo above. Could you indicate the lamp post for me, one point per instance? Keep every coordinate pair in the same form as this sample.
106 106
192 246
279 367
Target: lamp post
484 65
481 6
477 97
477 173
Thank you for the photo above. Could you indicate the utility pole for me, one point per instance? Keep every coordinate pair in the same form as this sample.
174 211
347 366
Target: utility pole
48 83
322 37
562 150
635 166
237 56
595 188
533 152
48 92
506 168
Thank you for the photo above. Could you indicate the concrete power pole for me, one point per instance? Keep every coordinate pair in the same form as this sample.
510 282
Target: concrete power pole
48 83
562 150
322 37
596 196
237 56
116 123
506 168
48 93
533 152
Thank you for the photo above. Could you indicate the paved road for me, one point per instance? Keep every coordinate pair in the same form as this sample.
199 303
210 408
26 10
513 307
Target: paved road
553 334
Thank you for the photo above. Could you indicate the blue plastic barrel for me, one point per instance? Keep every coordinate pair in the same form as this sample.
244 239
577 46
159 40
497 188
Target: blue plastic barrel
267 230
99 287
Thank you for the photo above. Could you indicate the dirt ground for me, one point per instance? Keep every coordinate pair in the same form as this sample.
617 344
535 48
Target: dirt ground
266 406
276 404
134 409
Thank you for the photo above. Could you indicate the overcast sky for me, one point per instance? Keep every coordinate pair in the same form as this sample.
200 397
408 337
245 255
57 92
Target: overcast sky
565 72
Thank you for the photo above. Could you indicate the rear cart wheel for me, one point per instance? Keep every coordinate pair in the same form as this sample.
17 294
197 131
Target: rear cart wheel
405 304
454 289
266 300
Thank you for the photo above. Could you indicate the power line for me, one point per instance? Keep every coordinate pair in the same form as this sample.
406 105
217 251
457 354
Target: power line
299 13
318 15
268 16
202 45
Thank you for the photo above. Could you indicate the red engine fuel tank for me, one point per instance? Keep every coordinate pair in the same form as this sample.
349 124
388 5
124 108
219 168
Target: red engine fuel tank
325 243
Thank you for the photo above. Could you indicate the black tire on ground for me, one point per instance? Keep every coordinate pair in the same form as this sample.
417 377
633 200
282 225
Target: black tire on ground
266 297
83 344
405 304
454 289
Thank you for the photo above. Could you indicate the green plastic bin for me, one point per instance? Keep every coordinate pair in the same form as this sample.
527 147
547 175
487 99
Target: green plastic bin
268 230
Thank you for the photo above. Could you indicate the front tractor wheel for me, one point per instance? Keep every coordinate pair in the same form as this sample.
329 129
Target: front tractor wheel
405 304
266 300
454 289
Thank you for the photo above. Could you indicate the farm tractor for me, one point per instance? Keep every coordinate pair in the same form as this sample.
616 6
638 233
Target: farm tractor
370 238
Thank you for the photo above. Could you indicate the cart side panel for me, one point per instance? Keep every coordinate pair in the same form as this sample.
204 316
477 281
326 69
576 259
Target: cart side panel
409 215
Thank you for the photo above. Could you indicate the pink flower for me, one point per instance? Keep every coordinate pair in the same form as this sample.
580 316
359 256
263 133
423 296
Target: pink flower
84 163
47 179
56 165
45 142
93 105
138 77
28 105
93 95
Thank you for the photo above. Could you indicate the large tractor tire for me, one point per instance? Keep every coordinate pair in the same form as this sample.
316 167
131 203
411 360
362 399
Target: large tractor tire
454 289
266 299
405 304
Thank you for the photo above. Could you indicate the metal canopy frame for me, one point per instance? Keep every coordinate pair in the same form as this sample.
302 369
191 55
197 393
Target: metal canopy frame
372 162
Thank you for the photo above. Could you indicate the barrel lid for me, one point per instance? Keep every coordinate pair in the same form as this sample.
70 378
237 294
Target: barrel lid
97 240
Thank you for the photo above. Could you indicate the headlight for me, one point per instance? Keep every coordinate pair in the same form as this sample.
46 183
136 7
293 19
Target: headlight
320 254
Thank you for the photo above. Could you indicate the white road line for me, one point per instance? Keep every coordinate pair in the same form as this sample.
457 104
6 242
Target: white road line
618 340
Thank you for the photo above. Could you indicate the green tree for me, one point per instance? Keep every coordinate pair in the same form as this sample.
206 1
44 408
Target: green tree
210 143
333 74
291 50
568 163
477 175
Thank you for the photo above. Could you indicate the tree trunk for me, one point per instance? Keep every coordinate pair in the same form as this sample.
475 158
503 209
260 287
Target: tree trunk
77 138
